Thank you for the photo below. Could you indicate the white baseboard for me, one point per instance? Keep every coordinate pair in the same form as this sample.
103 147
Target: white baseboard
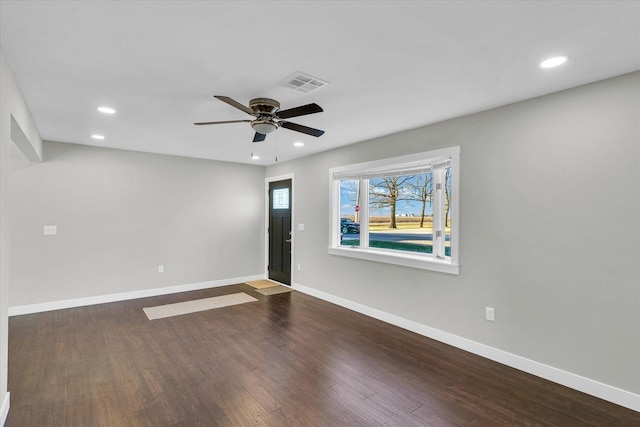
595 388
101 299
4 409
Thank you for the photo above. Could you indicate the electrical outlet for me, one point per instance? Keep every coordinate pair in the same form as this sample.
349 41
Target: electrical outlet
490 314
161 269
50 230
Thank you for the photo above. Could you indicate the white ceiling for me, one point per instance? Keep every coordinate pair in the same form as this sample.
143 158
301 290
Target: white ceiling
390 65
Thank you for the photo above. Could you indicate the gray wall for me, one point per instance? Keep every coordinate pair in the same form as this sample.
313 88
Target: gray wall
15 121
549 221
120 214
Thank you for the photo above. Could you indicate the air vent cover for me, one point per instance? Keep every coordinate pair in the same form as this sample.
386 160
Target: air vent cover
303 83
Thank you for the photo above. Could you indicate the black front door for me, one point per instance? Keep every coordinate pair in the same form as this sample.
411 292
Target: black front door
280 231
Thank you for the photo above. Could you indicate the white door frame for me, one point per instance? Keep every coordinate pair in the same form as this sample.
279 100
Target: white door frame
266 221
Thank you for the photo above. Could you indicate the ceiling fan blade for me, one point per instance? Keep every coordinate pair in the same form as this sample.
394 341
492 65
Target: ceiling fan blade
219 123
303 129
235 103
259 137
299 111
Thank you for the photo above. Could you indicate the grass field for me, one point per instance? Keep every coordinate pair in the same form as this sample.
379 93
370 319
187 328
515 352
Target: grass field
398 246
428 227
379 223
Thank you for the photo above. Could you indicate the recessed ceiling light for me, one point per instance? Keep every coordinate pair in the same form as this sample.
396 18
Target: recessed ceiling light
553 62
106 110
298 144
96 136
255 157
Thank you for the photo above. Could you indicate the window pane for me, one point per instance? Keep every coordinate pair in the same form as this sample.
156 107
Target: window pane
400 213
349 213
280 198
447 211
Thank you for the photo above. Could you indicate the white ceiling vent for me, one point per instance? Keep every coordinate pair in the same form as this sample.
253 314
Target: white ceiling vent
303 83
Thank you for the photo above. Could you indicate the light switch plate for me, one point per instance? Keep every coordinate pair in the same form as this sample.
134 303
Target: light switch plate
50 230
300 227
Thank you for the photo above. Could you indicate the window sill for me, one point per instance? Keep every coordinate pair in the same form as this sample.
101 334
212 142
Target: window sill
404 259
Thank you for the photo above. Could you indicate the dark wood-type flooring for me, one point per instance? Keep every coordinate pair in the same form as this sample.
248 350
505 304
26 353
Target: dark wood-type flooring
287 359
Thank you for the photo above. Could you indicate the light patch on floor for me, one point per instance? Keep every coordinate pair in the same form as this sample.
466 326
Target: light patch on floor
261 284
186 307
274 290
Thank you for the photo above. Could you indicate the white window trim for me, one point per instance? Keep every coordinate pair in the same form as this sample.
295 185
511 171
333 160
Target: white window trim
449 265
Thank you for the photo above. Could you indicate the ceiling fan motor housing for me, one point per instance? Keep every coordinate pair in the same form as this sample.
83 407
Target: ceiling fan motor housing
265 109
264 106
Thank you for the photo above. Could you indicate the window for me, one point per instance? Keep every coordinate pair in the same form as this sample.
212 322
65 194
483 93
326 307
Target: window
280 197
402 210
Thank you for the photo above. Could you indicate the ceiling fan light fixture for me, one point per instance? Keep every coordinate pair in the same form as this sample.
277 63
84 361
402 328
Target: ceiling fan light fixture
263 126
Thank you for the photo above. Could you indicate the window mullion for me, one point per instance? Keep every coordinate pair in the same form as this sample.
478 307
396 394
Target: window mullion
364 213
335 207
438 214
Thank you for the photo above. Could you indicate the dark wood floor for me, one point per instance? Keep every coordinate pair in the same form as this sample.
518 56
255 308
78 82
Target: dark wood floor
287 359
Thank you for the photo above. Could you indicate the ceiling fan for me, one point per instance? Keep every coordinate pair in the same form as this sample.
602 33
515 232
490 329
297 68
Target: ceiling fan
269 117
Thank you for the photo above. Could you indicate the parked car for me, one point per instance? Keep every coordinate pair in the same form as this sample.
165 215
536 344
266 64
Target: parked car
349 227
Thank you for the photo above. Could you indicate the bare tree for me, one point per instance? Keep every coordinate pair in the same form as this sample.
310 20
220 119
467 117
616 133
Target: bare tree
447 195
422 191
387 192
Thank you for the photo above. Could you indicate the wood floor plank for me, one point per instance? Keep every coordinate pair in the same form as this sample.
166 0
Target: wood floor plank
284 360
